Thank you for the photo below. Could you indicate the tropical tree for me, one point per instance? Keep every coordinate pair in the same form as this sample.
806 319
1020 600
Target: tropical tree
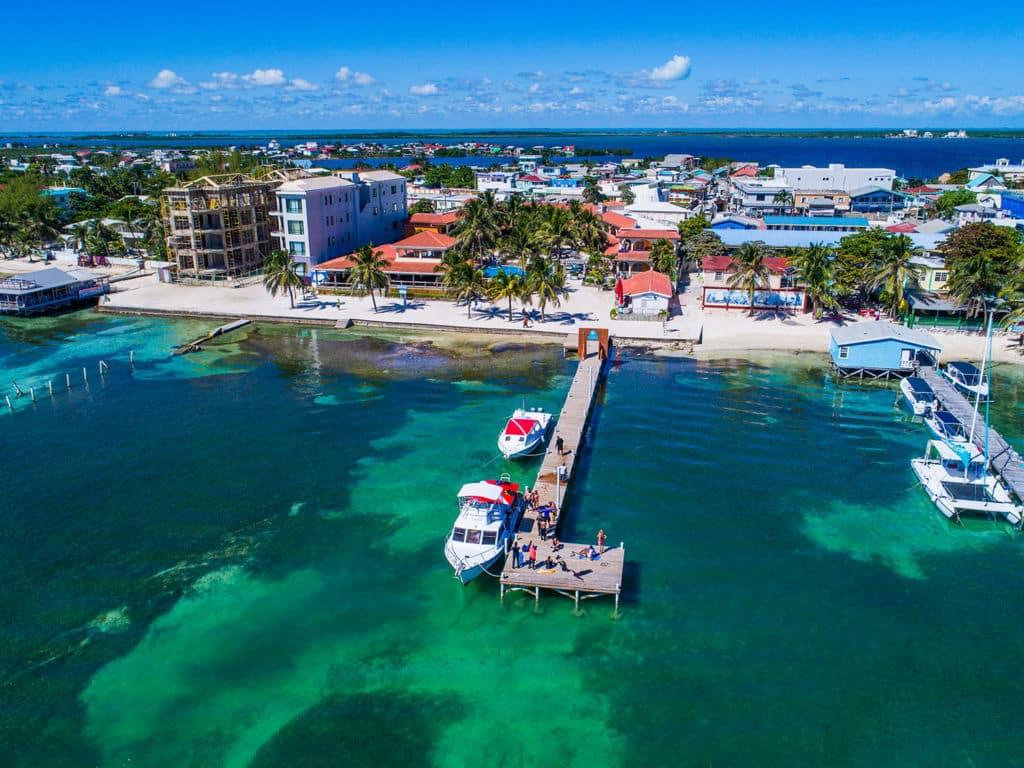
951 198
512 212
464 281
751 271
506 285
626 194
520 245
977 279
368 271
692 227
79 235
858 259
556 230
704 244
896 269
815 267
963 249
422 206
591 192
280 274
478 228
101 240
783 198
547 282
663 257
591 231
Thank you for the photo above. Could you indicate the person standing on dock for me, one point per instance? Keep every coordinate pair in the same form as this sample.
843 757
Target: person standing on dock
560 445
515 554
533 556
542 527
600 541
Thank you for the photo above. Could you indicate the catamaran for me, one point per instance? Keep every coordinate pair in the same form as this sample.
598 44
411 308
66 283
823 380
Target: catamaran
968 378
489 513
958 482
918 394
523 432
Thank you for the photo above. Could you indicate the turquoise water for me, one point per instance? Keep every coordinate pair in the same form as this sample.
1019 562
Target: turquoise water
234 558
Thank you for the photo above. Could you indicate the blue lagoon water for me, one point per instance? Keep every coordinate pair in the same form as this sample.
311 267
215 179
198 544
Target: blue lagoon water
234 558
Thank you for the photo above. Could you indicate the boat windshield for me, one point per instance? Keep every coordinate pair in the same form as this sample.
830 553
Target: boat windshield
475 504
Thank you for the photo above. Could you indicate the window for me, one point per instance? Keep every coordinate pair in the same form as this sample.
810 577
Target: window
490 537
458 534
181 222
844 352
719 276
375 210
394 190
394 206
941 277
292 205
296 248
374 191
472 537
296 228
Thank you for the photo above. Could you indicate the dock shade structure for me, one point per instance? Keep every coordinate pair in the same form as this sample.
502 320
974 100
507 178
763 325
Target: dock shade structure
880 350
49 289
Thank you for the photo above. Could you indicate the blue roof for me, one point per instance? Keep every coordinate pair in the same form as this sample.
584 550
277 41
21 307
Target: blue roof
919 386
816 221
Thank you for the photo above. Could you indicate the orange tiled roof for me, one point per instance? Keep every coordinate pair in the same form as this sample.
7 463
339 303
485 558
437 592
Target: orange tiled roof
649 234
426 240
648 282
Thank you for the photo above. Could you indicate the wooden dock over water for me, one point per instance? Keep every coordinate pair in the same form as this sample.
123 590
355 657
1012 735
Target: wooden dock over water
573 577
1006 462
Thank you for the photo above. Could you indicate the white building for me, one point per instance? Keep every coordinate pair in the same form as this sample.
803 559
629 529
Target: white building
760 198
835 176
1002 166
330 216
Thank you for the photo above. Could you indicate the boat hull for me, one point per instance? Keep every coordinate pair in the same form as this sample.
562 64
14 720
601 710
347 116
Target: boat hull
525 450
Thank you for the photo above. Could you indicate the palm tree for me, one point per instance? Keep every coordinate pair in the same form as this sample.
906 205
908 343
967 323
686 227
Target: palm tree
975 279
79 235
478 229
751 271
280 274
896 269
783 198
591 231
663 257
506 285
513 211
815 267
547 282
556 230
519 244
465 282
368 271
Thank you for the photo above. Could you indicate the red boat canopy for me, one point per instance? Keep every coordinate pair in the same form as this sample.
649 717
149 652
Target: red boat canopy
520 426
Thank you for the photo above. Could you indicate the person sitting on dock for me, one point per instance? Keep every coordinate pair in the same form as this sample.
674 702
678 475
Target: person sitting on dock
555 544
548 564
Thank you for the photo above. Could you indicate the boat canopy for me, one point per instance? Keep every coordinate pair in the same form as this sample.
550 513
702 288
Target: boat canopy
946 452
483 491
520 426
968 373
947 419
920 387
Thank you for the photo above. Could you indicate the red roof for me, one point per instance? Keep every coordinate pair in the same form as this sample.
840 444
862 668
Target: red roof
648 282
922 191
426 239
650 234
519 426
434 218
394 264
722 263
618 221
746 170
904 227
613 246
531 178
633 256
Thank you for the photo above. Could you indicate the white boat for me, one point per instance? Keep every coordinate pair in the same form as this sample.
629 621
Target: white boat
947 427
918 394
489 513
958 482
968 378
523 432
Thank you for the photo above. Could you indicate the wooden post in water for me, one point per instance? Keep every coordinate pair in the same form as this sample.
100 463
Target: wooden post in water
32 393
49 385
67 378
85 375
8 399
131 357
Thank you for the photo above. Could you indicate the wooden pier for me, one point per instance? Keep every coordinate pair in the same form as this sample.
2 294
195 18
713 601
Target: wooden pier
1005 461
193 346
573 577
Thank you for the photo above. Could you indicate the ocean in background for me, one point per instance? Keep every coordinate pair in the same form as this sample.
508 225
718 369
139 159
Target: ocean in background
234 558
924 158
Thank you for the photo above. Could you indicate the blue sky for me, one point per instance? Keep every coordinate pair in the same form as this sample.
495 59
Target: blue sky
340 65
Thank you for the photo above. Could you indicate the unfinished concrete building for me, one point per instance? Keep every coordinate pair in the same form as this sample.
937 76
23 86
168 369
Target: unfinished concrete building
219 226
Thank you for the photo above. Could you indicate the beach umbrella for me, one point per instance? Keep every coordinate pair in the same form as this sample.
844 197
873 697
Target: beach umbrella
619 291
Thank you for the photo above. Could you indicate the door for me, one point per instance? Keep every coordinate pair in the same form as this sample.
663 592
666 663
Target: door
906 358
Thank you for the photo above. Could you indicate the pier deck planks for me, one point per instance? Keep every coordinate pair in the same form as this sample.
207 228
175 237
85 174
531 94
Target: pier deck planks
602 576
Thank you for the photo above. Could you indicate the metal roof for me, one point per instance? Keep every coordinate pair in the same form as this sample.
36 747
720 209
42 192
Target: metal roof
44 279
791 238
816 221
866 332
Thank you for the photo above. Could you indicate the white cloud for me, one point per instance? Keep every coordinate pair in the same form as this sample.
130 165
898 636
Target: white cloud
298 84
265 77
168 78
534 88
222 80
346 75
115 90
575 91
427 89
676 68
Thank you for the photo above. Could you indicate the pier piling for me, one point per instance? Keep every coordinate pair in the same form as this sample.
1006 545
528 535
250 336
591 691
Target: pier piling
32 393
8 399
67 378
49 385
85 375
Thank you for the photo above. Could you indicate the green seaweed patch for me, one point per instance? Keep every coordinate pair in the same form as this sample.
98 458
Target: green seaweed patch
386 727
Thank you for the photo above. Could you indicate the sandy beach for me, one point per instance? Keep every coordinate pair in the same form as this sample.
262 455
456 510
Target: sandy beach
693 330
